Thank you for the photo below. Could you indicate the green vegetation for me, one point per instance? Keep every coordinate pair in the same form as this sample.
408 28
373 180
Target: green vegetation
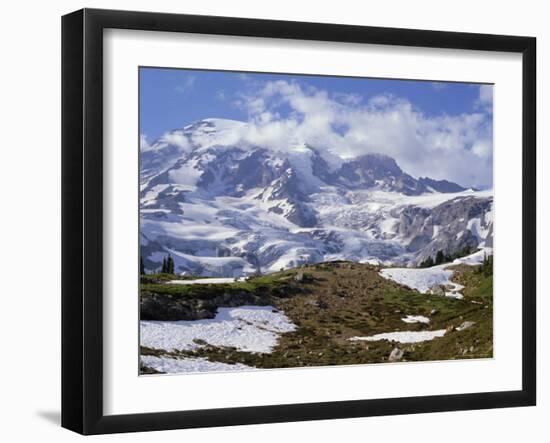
156 284
487 266
141 266
167 265
159 278
441 257
477 282
428 263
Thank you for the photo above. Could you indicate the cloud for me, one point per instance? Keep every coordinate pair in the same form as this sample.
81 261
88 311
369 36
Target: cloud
485 100
348 99
457 147
176 138
186 85
143 143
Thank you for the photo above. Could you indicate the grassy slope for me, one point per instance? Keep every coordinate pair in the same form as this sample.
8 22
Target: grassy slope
340 300
270 283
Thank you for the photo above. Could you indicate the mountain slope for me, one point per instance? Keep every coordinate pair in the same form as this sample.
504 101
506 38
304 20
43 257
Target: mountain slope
224 207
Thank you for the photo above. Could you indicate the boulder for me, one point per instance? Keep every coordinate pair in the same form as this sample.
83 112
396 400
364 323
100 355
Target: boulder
437 290
395 355
465 325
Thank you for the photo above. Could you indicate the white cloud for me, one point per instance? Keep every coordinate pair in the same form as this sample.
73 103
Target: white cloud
483 149
348 99
186 85
485 100
176 138
457 147
143 143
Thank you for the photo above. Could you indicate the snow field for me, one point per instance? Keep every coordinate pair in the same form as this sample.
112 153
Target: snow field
207 281
247 328
423 279
170 365
403 336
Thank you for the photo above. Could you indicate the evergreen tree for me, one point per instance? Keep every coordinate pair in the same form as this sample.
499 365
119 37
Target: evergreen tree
170 265
439 257
163 270
488 266
427 263
141 266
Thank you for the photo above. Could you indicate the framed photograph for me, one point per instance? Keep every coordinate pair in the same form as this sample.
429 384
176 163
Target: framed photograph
269 221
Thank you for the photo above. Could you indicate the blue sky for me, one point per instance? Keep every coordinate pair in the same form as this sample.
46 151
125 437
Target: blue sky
172 98
412 120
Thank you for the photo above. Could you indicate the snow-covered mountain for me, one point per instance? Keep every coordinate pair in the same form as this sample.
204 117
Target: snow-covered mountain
223 206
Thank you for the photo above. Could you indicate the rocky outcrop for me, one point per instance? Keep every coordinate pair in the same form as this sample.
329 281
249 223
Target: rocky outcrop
395 355
440 185
169 308
377 171
451 227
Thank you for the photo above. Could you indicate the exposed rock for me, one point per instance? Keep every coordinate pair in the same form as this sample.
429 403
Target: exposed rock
437 290
314 303
441 185
377 170
447 227
167 308
465 325
395 355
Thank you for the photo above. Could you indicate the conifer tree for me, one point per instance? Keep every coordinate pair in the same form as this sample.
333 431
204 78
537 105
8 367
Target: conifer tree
170 265
439 257
163 270
141 266
427 263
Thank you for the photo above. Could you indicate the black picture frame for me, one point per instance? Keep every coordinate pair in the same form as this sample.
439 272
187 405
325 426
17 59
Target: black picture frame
82 215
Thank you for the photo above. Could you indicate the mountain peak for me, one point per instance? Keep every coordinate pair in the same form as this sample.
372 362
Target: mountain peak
216 150
381 162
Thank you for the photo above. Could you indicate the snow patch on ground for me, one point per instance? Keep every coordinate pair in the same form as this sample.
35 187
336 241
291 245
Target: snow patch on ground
421 279
403 336
247 328
424 279
170 365
415 319
207 281
474 259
